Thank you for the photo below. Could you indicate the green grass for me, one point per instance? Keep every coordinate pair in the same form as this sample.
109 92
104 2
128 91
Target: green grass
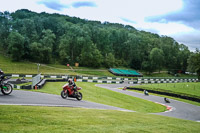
22 119
24 67
54 119
95 73
165 74
189 89
100 95
9 66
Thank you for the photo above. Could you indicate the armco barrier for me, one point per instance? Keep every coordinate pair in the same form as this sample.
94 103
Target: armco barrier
114 80
70 76
23 87
131 80
100 81
40 84
168 94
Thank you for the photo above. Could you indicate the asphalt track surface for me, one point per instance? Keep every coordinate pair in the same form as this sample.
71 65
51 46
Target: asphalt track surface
29 98
178 109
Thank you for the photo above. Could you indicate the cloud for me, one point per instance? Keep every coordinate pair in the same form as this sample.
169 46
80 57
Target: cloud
191 39
128 20
83 4
55 5
188 15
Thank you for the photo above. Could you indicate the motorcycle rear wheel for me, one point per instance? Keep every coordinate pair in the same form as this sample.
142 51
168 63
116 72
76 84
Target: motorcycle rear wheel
79 96
6 89
64 95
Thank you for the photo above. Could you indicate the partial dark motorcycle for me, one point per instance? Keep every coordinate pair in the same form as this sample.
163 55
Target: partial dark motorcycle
146 92
166 100
6 88
68 91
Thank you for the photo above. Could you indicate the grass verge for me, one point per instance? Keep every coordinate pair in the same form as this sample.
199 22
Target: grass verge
100 95
170 97
186 88
60 119
9 66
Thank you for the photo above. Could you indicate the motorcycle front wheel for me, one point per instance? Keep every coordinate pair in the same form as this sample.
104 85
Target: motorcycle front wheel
79 96
64 95
6 89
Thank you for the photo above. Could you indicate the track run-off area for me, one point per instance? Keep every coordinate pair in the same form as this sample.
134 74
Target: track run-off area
176 108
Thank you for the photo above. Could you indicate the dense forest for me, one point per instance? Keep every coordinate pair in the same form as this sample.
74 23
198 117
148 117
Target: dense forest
50 38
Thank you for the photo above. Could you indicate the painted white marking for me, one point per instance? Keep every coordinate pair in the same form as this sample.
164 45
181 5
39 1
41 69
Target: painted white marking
53 76
18 87
29 76
85 77
15 75
99 81
109 81
79 80
64 77
109 77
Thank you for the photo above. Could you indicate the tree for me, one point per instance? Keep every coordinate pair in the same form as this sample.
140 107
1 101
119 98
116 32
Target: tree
194 63
182 57
46 54
64 49
146 66
170 49
26 27
48 38
91 56
16 46
64 38
47 42
156 58
36 52
5 26
109 60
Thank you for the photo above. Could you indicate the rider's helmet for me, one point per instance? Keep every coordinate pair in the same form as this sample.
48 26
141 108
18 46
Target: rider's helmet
69 81
1 72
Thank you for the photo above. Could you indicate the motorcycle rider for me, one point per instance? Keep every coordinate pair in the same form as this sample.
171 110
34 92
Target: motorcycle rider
72 83
1 74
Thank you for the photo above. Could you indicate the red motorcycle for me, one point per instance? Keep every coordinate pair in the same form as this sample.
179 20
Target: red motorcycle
68 91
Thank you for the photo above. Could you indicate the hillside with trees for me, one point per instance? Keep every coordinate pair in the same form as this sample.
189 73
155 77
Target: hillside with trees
49 38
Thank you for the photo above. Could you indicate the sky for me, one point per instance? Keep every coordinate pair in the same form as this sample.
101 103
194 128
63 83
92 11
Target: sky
179 19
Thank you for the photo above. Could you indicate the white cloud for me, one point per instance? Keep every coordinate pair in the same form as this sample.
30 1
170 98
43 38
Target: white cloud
106 10
192 39
11 6
166 28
